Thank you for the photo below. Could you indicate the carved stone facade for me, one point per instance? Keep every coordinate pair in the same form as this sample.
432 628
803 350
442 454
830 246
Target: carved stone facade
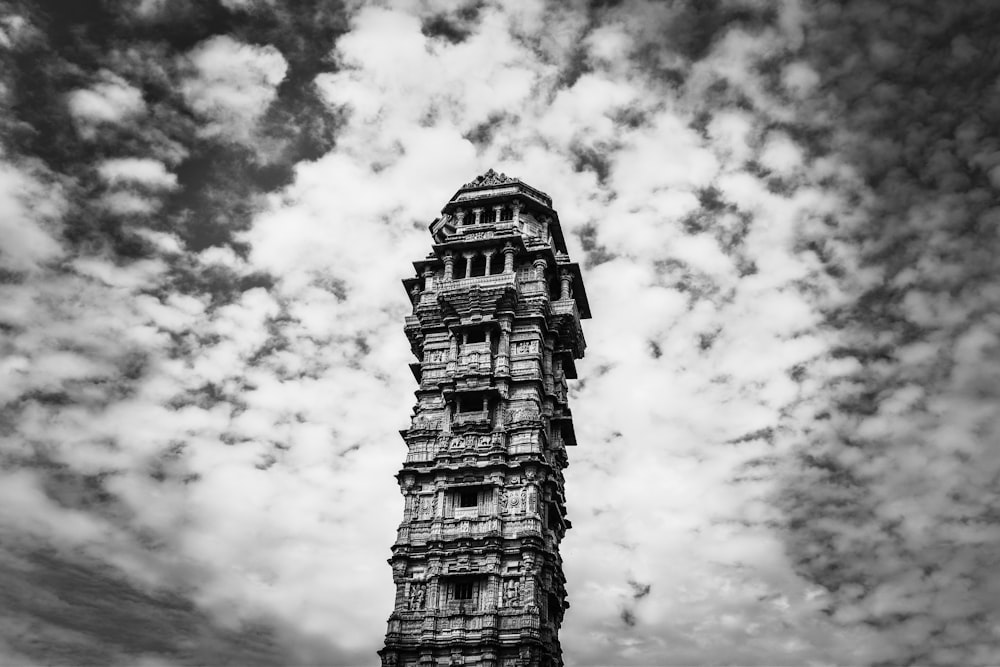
496 330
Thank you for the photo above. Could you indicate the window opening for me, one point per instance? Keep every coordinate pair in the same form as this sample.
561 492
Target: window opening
468 498
479 265
473 403
475 336
463 590
458 268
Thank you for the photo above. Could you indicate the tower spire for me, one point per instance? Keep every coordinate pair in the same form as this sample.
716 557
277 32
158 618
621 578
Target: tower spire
496 330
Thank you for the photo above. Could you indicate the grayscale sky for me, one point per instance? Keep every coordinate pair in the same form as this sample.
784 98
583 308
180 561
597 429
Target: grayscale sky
786 213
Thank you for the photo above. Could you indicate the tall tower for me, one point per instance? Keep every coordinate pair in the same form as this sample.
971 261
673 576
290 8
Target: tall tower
495 329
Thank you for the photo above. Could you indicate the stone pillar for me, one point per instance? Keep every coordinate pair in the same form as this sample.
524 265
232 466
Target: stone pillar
449 265
489 259
547 346
452 354
468 263
478 213
566 278
496 213
508 258
540 264
428 279
503 349
460 216
517 213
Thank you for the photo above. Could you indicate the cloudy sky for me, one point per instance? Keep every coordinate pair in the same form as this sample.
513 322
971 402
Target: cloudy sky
787 217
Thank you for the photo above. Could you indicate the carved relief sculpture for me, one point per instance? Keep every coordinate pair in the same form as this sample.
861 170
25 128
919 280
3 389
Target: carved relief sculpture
488 434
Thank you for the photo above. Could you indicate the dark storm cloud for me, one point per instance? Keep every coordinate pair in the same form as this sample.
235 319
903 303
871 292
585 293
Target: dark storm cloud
893 504
85 612
68 54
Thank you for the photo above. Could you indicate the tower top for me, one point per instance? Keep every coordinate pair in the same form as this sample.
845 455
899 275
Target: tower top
492 184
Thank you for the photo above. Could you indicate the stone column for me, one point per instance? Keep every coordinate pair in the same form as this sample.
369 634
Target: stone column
566 278
460 216
508 258
540 264
449 265
468 263
547 346
428 279
446 419
452 354
517 213
496 213
503 349
478 213
489 259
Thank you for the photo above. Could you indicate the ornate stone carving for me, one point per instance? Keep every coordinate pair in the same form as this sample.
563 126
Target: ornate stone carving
489 178
435 356
418 595
463 547
524 347
511 593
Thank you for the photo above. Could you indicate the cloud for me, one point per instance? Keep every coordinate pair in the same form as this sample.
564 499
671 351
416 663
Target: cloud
109 100
137 171
231 85
33 208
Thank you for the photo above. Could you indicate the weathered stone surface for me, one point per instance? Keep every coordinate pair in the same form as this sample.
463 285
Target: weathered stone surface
495 326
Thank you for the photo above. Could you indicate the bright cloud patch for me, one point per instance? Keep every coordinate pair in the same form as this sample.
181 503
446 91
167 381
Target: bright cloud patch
232 84
111 100
137 171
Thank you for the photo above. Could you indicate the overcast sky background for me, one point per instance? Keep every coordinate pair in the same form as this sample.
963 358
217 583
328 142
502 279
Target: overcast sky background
787 217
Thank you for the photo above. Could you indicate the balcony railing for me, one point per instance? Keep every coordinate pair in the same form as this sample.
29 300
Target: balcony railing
496 280
462 418
565 307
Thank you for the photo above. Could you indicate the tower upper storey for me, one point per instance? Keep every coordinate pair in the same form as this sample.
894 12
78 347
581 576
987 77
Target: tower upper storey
497 209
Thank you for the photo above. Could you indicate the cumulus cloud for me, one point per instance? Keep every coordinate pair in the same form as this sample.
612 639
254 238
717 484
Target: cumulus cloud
137 171
232 84
111 100
31 223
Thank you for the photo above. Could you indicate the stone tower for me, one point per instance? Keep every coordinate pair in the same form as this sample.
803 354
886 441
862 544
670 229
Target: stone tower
495 329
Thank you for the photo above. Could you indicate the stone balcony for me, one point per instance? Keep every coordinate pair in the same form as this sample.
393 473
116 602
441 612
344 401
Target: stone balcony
496 280
472 526
467 625
480 418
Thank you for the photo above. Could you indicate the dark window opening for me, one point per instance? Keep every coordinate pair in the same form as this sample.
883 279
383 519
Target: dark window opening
458 268
554 607
496 267
468 498
479 266
473 403
463 590
506 213
475 336
552 518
